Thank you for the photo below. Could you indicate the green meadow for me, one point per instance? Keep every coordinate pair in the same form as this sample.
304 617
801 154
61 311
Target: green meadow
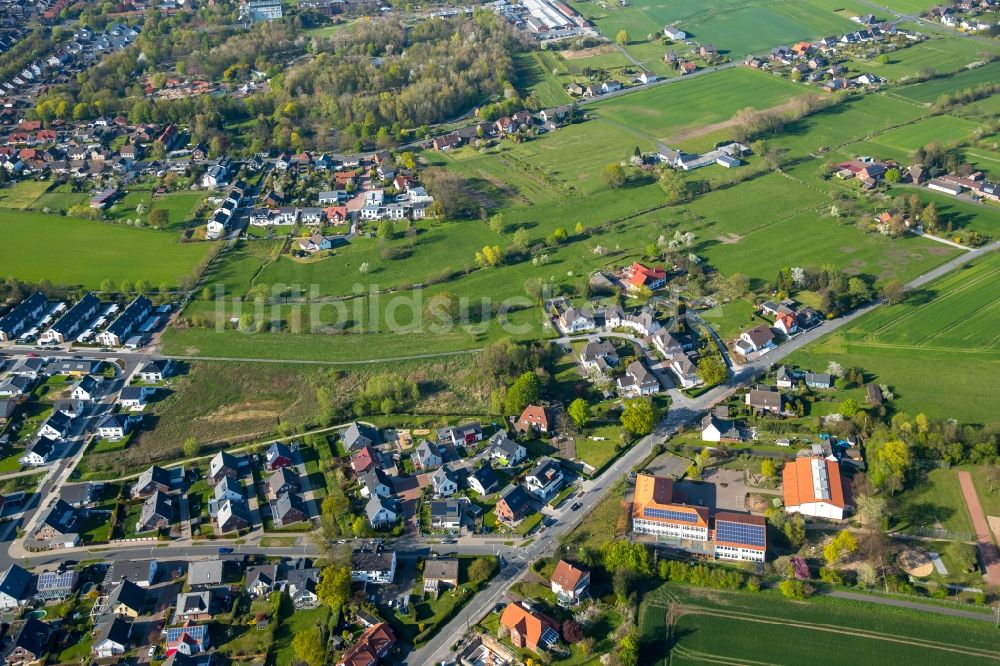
69 251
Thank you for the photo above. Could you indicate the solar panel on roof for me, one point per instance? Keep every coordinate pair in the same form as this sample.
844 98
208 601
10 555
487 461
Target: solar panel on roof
741 533
679 516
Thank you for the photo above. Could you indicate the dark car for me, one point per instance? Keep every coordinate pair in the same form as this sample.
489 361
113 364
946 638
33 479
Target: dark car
224 551
576 505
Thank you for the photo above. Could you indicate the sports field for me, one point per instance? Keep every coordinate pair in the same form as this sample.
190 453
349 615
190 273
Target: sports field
68 251
932 350
687 625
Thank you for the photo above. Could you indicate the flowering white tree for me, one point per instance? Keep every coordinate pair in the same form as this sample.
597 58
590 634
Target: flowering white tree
799 276
835 369
364 268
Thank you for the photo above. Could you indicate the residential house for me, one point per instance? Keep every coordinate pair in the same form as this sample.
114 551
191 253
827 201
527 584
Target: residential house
533 419
232 516
364 459
668 343
301 587
484 480
447 142
112 638
127 323
674 33
39 452
545 480
377 567
381 511
784 378
86 389
56 585
514 505
714 429
71 324
262 579
133 398
15 587
572 320
187 639
205 574
359 434
813 487
439 573
786 324
16 385
59 526
764 400
528 628
375 482
71 408
126 600
283 480
371 647
152 480
156 371
637 381
648 277
193 606
655 512
57 426
289 509
757 339
569 583
446 514
443 482
426 456
140 572
157 513
685 370
223 464
505 450
818 380
30 643
462 435
115 427
278 455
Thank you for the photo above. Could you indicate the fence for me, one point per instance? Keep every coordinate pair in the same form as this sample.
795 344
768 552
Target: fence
937 533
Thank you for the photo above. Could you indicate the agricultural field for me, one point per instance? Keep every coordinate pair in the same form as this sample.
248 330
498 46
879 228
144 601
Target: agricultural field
535 74
680 111
80 252
179 206
928 91
736 627
943 55
931 350
736 28
22 195
941 129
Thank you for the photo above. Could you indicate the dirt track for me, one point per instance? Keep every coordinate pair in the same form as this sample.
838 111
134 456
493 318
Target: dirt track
987 549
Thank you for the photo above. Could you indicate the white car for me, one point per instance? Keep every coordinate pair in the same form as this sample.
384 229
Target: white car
152 651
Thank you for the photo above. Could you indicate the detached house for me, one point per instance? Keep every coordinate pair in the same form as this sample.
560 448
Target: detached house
126 600
484 480
157 513
533 419
637 381
757 339
569 583
762 400
283 480
359 434
31 642
375 482
278 455
426 456
152 480
223 464
505 450
375 567
545 480
514 505
15 587
528 629
232 516
443 483
112 638
133 398
381 511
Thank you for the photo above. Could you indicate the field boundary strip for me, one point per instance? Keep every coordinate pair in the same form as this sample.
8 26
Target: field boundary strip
979 311
682 610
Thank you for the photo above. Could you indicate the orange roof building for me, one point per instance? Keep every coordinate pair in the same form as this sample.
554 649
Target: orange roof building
533 418
740 536
655 512
650 277
813 487
374 644
569 583
527 628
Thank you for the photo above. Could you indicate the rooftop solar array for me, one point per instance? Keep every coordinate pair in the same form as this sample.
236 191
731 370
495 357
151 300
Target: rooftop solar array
679 516
741 533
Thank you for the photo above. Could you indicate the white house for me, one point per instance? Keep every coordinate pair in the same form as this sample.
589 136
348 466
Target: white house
569 583
114 427
112 638
381 511
133 398
637 381
376 567
40 452
15 587
85 389
505 450
545 480
426 456
444 485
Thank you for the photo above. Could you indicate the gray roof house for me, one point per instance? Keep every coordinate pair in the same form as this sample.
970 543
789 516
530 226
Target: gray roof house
359 434
204 573
15 587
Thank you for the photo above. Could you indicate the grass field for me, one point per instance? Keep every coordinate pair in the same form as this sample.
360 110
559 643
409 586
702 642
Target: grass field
535 73
944 55
734 27
932 349
21 195
739 627
929 91
664 111
936 498
68 251
941 129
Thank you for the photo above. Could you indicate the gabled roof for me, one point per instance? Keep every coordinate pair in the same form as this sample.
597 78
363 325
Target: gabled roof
376 504
516 498
529 624
809 480
156 506
287 503
117 630
61 517
222 461
535 414
15 582
487 478
546 470
356 431
33 636
373 477
154 475
281 478
129 594
567 576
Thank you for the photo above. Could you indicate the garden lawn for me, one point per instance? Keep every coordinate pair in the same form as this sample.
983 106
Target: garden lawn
296 623
945 55
933 499
729 319
84 253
